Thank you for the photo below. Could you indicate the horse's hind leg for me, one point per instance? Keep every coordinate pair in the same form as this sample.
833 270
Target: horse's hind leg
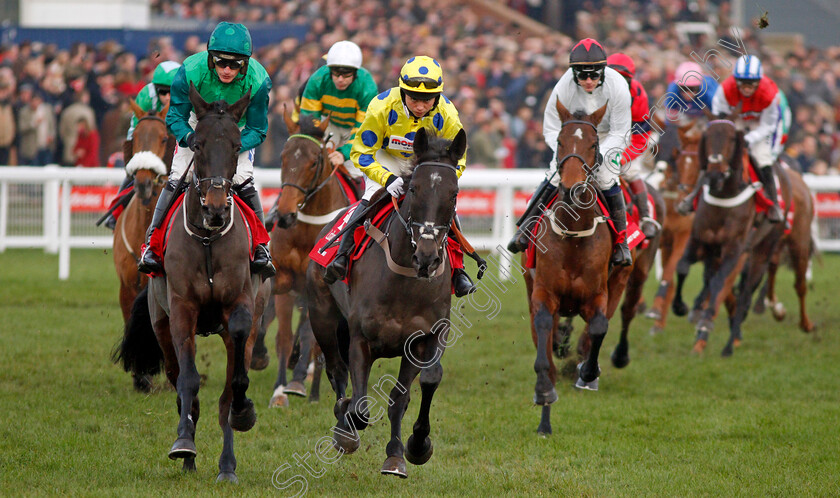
632 294
688 258
598 324
398 401
260 357
182 325
315 391
307 339
284 306
800 256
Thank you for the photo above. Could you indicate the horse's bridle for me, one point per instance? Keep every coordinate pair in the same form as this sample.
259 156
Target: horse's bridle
577 156
426 230
159 179
314 186
718 158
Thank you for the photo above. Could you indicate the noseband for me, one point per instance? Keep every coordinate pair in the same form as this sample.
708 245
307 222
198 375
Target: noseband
426 230
578 156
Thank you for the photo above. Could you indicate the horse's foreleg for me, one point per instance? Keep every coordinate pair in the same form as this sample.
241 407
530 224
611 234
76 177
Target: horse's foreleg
240 325
750 280
680 243
307 339
419 447
688 258
632 294
360 363
260 356
720 284
800 257
284 307
597 323
182 328
398 403
543 322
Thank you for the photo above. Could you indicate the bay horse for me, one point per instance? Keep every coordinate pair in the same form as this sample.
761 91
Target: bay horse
387 314
311 196
208 288
726 235
799 247
572 275
680 179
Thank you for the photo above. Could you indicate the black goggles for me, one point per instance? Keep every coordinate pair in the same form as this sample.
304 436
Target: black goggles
231 63
747 82
428 83
586 74
339 72
161 90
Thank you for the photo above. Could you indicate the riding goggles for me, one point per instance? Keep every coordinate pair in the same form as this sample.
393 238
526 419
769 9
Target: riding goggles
233 64
340 72
583 74
747 83
428 83
161 89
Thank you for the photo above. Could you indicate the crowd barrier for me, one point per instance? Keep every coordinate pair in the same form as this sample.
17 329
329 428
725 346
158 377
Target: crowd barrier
55 208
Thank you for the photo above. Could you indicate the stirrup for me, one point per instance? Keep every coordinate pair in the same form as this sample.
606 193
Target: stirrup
621 255
149 262
337 269
262 262
775 214
462 283
110 222
650 222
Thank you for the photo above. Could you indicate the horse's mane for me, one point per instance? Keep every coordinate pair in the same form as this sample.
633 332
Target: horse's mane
308 127
579 115
436 150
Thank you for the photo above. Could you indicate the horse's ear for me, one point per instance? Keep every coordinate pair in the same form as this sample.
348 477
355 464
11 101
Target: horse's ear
199 105
238 108
290 124
458 146
162 113
324 122
738 154
598 115
564 113
421 142
138 112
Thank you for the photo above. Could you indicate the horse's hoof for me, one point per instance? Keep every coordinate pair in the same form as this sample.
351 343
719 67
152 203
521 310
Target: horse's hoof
344 443
227 477
259 362
807 327
654 314
278 398
243 420
620 360
641 307
779 311
736 343
679 308
590 385
543 432
394 466
761 305
295 387
423 455
183 448
545 398
699 346
189 465
655 329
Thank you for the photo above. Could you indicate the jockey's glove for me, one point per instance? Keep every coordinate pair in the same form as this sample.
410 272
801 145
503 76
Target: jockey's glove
191 141
394 186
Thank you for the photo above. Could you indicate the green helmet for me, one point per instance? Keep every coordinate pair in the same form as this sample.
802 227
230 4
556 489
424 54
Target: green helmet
231 38
165 73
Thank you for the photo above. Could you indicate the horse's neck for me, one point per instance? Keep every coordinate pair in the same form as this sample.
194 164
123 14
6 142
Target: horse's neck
571 215
399 239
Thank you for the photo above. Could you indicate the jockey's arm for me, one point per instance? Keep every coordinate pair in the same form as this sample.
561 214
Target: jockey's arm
178 117
552 122
720 107
618 138
256 117
767 123
367 143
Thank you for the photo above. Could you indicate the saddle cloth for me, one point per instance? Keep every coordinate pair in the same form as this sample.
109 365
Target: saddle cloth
257 233
363 241
634 235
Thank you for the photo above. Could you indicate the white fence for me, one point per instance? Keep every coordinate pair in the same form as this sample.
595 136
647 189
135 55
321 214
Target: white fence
35 207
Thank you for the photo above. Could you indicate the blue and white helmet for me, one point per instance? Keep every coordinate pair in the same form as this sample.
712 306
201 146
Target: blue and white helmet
748 67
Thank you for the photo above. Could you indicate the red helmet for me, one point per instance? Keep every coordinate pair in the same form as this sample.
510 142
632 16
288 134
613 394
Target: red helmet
623 64
588 52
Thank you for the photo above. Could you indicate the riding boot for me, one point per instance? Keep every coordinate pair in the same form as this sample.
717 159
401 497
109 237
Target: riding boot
774 213
615 201
520 239
461 281
686 206
262 258
123 200
337 269
149 261
638 190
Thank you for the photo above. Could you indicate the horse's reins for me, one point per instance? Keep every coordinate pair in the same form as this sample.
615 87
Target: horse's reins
741 197
314 187
673 188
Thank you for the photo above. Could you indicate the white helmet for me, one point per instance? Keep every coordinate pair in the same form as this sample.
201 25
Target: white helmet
345 53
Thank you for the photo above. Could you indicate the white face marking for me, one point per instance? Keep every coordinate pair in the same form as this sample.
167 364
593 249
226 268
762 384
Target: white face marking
578 134
429 231
436 179
688 161
297 154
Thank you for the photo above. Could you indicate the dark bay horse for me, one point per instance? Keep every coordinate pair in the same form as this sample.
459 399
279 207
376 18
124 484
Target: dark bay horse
208 288
387 314
149 167
726 235
311 197
572 274
680 179
799 247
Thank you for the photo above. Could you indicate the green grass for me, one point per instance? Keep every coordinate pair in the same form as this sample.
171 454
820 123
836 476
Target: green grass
762 423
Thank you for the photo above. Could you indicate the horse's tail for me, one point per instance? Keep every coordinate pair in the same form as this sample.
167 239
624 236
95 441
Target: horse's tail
138 351
814 253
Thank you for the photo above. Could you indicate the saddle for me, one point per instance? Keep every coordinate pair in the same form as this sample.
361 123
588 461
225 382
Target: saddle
257 233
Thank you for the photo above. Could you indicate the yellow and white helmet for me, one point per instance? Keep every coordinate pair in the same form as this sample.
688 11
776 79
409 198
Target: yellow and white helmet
421 74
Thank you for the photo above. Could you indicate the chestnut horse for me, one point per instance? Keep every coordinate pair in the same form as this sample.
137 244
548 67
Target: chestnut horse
149 166
680 179
572 274
311 197
800 246
208 288
386 314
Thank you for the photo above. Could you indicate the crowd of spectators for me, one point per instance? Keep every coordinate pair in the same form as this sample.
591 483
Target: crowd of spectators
498 74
